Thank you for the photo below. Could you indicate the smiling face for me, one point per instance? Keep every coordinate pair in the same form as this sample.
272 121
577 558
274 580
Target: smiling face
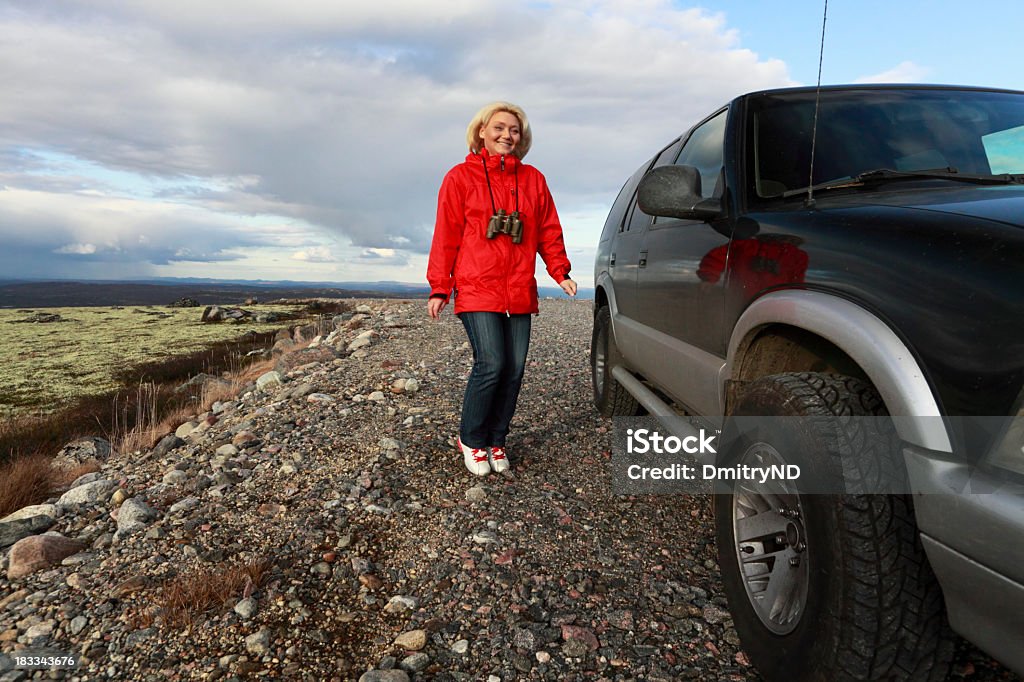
501 134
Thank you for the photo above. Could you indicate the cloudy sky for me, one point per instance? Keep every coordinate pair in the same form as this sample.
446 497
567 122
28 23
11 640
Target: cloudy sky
306 140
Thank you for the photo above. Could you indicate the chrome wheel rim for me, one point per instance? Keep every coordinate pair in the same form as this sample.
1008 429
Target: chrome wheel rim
771 544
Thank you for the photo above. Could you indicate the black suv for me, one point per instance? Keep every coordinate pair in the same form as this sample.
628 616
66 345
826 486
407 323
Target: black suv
842 252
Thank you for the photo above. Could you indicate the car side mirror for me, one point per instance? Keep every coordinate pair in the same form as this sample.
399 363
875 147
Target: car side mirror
675 192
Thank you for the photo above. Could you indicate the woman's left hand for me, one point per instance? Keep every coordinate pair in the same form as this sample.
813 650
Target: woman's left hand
568 286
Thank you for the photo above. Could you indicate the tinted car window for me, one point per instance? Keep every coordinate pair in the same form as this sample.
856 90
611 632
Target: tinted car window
705 150
903 130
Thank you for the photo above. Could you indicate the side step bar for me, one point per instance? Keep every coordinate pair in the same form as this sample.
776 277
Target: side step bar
673 422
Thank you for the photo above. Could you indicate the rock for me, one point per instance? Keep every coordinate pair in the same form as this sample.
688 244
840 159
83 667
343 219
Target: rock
39 551
258 643
184 505
377 397
268 381
90 493
384 676
227 450
476 494
321 398
357 344
167 443
12 531
246 608
414 640
50 510
461 646
543 657
81 451
575 632
399 604
415 662
186 429
86 478
412 386
133 515
175 477
118 498
184 303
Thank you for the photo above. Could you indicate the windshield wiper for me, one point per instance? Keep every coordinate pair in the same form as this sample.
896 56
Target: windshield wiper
880 175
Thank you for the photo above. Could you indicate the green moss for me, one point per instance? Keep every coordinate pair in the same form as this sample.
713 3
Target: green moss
46 366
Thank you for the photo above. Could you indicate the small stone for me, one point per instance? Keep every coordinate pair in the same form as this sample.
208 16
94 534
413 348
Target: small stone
258 643
476 494
377 397
226 450
320 398
384 676
399 604
414 640
269 381
175 477
118 498
186 429
370 581
78 624
246 608
485 537
543 657
415 662
133 515
411 386
461 646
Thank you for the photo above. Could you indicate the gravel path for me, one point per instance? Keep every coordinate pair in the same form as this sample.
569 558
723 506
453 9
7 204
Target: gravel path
376 533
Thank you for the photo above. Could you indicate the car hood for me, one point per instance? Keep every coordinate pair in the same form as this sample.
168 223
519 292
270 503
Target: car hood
1001 204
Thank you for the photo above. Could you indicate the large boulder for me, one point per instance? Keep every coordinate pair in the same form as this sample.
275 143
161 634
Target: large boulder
38 552
13 531
184 303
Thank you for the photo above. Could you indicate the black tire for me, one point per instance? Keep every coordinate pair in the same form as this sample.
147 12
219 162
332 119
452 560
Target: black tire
855 598
611 399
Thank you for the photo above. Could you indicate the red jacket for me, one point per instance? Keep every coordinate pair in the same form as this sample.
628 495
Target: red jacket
494 275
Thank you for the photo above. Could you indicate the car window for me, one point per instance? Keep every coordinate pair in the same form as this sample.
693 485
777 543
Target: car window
636 218
616 220
705 151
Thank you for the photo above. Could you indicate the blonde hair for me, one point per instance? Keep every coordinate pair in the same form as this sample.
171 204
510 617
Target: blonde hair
482 117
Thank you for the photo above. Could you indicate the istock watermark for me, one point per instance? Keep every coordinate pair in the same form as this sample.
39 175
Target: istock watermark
822 454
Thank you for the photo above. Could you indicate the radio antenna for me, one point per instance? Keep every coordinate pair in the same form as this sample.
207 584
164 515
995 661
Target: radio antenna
809 202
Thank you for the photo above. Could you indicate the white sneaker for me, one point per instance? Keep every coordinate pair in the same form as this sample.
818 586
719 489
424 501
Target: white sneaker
475 459
498 459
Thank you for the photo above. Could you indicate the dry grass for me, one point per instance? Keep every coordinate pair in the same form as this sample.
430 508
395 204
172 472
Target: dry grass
189 596
25 480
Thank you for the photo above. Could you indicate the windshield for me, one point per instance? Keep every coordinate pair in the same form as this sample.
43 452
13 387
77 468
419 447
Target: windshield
968 132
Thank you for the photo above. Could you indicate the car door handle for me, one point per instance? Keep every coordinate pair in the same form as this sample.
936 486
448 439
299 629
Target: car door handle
611 261
643 259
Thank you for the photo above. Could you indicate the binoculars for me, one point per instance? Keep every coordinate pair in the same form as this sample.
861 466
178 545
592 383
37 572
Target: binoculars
502 223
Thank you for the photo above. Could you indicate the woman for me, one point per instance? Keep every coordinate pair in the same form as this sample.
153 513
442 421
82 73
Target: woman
494 215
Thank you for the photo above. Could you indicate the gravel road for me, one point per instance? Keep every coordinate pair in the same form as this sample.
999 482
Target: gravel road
389 560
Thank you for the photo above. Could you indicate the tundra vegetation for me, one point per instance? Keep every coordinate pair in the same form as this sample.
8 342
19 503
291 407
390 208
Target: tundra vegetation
117 372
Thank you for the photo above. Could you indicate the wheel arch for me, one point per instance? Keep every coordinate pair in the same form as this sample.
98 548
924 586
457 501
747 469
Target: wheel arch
789 331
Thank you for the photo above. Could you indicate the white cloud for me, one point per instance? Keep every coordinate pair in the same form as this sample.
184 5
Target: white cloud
904 72
315 254
79 249
255 124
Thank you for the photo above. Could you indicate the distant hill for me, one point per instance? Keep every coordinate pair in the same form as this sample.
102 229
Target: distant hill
69 293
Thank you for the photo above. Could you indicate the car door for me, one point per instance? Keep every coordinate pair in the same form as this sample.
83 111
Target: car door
626 259
680 282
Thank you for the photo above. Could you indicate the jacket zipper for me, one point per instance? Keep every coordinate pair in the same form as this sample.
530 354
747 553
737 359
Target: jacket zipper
508 255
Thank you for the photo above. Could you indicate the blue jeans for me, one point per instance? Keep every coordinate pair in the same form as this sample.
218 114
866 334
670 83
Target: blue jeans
499 344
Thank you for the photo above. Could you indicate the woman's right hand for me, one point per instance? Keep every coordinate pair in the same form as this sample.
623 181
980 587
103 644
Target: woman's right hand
435 306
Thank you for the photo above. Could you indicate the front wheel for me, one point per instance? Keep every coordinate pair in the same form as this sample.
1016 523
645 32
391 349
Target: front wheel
825 587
